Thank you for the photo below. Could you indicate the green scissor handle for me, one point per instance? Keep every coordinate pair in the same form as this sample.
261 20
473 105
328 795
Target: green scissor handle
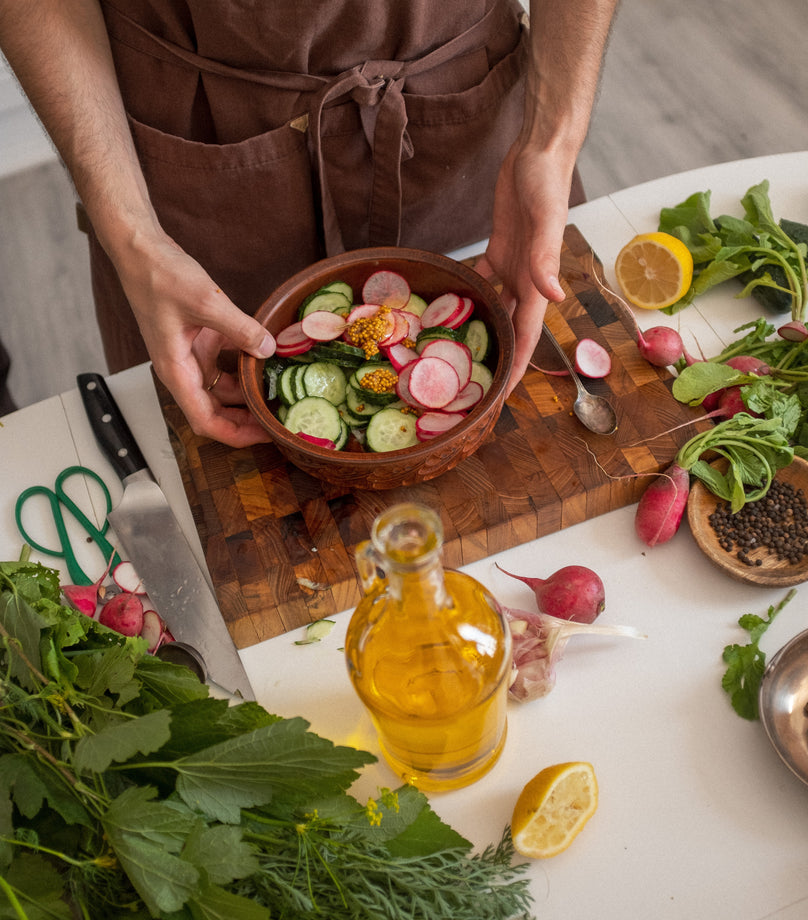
58 498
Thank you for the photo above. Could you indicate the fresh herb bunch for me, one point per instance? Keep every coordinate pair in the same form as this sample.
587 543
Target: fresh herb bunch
126 791
780 392
755 248
746 664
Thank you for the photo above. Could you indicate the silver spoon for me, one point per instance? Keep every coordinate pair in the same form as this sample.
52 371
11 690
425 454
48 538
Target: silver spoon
594 412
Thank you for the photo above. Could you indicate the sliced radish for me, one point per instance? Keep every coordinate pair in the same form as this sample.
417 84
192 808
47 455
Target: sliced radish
592 359
399 330
152 630
323 326
127 579
469 396
399 355
465 313
292 341
456 353
403 385
433 382
794 331
441 310
363 311
414 324
320 442
432 424
388 288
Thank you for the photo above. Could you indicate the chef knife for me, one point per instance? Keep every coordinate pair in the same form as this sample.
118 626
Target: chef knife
154 543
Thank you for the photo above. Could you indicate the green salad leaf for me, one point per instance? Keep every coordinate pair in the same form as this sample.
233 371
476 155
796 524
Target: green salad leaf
126 791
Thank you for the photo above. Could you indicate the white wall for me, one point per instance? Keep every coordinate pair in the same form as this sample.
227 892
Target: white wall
23 143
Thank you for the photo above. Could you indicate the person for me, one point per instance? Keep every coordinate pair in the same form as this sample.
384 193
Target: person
218 148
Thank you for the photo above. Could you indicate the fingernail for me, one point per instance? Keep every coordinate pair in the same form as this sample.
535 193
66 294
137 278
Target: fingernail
267 347
557 285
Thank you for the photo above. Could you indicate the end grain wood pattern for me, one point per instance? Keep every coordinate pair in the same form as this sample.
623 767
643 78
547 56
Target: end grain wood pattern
280 544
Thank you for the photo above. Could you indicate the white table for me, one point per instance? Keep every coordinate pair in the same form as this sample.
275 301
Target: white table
697 818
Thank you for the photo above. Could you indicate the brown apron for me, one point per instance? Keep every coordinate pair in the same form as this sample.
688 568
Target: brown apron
383 124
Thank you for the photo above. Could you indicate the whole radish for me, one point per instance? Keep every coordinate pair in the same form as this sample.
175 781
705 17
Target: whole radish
748 364
123 613
574 593
662 506
660 345
84 598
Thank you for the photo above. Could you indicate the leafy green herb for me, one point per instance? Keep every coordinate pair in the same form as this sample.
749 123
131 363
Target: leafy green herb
126 791
747 663
754 246
755 449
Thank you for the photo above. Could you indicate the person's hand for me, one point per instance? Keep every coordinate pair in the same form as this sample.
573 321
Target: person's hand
187 322
524 249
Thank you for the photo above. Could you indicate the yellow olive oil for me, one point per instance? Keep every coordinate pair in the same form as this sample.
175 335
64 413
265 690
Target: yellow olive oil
428 653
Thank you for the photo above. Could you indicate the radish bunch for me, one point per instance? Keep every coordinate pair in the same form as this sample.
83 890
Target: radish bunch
125 609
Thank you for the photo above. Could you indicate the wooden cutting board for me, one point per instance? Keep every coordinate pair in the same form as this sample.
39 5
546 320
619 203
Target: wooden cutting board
280 544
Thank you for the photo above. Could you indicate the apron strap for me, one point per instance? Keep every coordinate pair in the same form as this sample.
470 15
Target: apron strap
377 89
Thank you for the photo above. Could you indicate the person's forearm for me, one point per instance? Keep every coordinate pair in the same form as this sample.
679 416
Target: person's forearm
568 39
59 51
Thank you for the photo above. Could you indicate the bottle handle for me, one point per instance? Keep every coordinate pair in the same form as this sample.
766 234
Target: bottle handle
368 562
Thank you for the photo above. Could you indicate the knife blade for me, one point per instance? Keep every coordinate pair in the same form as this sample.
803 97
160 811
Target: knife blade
152 540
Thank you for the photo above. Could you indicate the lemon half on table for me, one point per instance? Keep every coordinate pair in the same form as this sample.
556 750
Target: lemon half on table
654 270
553 808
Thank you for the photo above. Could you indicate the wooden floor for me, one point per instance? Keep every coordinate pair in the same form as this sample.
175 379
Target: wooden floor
685 84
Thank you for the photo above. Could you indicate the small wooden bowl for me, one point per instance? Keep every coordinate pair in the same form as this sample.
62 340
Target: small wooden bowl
429 275
772 572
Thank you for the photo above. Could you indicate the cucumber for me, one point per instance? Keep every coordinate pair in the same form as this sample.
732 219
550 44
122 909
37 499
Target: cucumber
391 429
434 332
326 380
286 388
358 405
339 287
298 386
315 416
477 340
482 375
339 353
329 301
345 432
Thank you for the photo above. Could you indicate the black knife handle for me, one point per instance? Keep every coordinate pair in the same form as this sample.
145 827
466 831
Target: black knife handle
109 426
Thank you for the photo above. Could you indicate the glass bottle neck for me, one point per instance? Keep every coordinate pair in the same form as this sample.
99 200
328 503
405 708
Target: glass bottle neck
421 585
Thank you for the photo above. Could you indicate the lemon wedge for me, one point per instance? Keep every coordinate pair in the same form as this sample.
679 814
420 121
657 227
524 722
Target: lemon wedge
553 808
654 270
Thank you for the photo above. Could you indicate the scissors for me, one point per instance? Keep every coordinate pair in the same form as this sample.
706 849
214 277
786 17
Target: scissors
59 500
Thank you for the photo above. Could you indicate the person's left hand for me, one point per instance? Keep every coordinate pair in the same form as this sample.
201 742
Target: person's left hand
524 250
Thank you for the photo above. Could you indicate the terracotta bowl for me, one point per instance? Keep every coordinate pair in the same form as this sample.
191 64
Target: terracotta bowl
429 275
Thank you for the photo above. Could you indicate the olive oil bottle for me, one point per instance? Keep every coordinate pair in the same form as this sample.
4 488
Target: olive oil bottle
429 654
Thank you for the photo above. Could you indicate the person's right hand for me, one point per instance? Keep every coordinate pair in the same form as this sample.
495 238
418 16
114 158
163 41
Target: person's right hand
186 321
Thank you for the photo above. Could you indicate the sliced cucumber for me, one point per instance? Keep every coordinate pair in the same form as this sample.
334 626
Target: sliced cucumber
477 339
416 304
286 388
345 431
326 380
482 375
434 332
340 287
329 301
391 429
315 416
339 353
357 404
297 381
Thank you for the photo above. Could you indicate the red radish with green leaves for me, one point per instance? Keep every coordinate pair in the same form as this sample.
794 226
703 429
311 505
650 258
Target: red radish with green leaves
662 506
123 613
660 345
574 593
85 597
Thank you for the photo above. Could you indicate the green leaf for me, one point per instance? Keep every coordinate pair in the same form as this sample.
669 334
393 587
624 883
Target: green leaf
251 769
702 378
38 886
215 903
145 836
746 664
202 723
119 742
108 670
165 684
221 852
29 784
23 626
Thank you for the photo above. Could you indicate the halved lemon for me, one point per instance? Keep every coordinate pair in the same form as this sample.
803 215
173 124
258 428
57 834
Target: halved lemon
553 808
654 270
